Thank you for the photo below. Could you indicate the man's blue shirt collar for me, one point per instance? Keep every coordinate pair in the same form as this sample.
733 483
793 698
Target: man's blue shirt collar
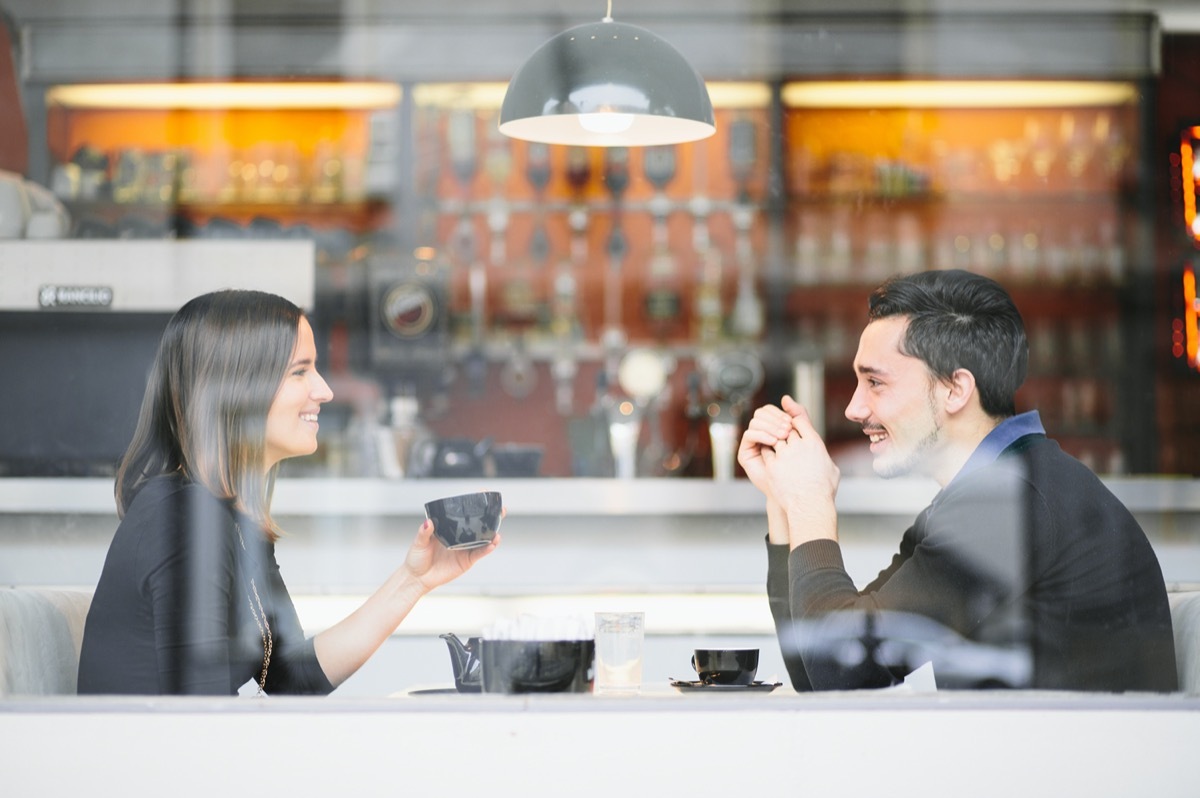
1005 434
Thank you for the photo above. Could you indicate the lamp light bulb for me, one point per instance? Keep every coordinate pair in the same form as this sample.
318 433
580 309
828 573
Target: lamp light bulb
606 122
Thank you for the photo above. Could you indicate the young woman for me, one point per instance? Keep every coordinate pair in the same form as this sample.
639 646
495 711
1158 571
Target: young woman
190 600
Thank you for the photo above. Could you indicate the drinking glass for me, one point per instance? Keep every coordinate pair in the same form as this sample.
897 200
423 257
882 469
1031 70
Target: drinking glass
619 637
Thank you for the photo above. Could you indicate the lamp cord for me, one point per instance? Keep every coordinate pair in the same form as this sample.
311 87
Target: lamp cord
608 16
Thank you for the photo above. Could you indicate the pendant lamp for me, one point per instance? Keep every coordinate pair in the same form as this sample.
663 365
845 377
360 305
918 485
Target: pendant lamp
607 84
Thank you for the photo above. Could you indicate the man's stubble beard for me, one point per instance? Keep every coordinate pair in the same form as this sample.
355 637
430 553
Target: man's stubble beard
912 462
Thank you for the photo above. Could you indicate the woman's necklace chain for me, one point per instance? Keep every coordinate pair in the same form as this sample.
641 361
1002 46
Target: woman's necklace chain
260 618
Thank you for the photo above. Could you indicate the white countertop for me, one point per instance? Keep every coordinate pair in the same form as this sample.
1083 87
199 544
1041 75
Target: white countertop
979 744
567 497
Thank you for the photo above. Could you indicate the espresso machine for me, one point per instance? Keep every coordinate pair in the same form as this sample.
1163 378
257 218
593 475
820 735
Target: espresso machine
408 329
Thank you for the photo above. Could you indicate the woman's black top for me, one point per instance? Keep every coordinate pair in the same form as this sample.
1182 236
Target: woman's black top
174 610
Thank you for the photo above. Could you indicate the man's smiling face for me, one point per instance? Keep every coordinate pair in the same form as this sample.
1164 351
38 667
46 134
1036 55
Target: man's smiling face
895 401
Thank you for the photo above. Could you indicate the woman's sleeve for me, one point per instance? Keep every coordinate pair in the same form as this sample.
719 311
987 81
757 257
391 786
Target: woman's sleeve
294 667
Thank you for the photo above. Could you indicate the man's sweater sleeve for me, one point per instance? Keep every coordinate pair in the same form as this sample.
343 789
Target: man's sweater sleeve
779 597
828 617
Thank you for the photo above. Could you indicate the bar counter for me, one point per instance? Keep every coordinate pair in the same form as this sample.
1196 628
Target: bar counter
659 743
687 552
344 535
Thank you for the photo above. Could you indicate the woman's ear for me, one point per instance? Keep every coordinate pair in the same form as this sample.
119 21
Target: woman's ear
960 390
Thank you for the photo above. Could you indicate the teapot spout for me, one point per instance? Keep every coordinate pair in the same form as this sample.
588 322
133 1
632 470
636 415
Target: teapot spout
459 655
464 661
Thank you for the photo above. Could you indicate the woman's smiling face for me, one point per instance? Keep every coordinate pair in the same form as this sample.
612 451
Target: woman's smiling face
895 401
292 420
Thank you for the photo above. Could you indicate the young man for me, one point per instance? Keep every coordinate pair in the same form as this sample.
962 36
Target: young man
1024 571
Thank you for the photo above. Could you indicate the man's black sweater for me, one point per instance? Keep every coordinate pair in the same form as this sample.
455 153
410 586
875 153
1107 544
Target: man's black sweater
1029 554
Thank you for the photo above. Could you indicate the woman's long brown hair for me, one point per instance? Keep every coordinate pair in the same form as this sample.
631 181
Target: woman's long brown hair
220 362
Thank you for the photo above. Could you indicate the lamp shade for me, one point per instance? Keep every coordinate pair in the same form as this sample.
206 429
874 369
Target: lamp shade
607 84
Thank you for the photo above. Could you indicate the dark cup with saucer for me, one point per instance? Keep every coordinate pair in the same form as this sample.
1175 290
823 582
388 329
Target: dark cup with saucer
728 666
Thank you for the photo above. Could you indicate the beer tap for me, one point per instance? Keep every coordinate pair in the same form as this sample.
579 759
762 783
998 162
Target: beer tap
464 163
428 178
518 377
498 165
748 316
538 173
613 337
662 300
708 311
564 314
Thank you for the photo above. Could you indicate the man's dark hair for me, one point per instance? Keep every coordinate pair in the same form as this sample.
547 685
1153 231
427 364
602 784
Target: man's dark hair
959 320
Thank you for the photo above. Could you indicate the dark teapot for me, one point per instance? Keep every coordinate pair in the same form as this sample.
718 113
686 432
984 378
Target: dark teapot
464 659
538 666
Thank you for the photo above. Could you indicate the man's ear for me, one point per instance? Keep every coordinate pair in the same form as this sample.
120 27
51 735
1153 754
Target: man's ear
960 391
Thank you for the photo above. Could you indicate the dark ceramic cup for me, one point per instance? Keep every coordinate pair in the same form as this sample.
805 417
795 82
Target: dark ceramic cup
726 665
466 521
537 666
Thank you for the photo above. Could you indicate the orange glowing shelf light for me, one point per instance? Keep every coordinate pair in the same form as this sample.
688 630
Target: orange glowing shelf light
1189 178
1190 327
